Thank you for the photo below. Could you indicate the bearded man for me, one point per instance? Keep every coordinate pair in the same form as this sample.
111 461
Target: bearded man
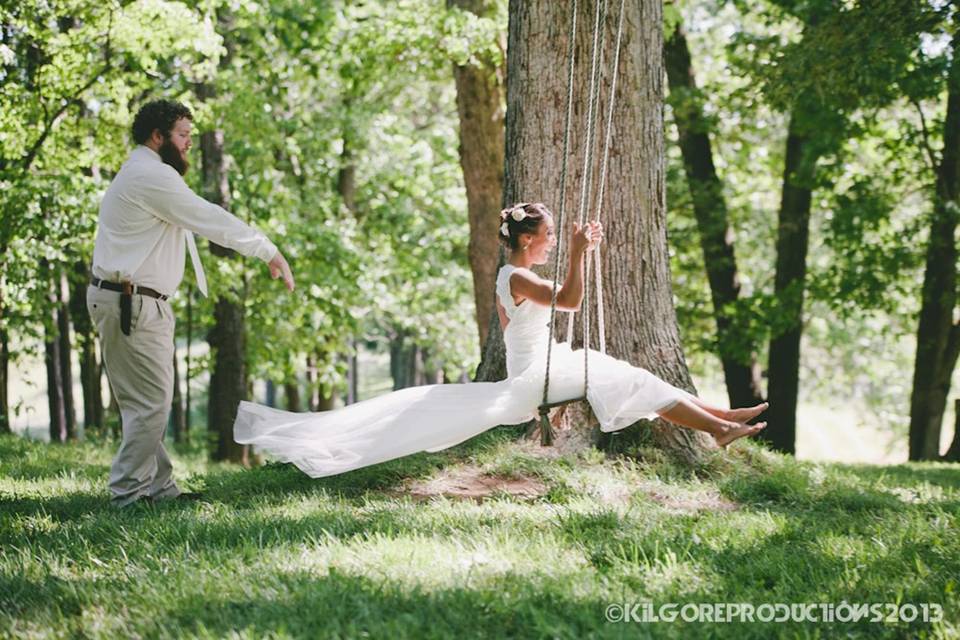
146 224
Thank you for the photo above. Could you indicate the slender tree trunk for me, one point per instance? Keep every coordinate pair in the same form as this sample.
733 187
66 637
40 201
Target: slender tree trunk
792 238
741 372
938 338
90 371
353 374
405 368
227 338
65 348
178 418
319 399
187 404
5 426
480 96
52 355
641 320
291 394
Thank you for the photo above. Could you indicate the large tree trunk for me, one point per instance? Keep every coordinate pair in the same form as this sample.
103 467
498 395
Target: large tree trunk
642 326
480 106
938 338
228 381
741 372
792 238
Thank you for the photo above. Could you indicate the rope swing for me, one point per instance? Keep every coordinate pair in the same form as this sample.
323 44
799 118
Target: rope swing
546 430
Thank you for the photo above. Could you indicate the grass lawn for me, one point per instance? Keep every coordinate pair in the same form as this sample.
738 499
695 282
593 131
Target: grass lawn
272 553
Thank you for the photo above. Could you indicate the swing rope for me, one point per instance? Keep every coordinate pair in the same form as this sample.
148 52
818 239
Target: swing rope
546 430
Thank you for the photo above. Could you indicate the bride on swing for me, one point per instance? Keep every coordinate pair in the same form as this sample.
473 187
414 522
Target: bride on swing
434 417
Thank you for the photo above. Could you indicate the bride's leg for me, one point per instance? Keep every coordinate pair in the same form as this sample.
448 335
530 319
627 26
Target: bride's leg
735 415
689 414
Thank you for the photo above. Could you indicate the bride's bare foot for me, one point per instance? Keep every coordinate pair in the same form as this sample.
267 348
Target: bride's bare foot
735 433
746 414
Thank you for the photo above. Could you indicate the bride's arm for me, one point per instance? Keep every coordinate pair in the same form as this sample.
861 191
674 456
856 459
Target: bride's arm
527 285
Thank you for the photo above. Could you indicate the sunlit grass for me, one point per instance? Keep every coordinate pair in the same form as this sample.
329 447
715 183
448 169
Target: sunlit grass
270 552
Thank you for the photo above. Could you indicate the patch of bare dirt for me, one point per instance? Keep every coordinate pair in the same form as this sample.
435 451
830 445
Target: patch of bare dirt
472 483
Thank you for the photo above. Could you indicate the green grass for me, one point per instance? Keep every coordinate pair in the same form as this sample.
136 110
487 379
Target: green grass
272 553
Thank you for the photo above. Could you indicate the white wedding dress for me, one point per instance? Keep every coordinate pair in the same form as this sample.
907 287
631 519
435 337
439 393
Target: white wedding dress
434 417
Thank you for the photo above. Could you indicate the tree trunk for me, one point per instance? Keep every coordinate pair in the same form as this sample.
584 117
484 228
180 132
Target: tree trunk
271 399
228 381
404 362
65 347
938 338
52 355
187 403
741 372
353 374
177 416
5 426
90 370
291 394
4 381
953 453
642 326
480 95
793 228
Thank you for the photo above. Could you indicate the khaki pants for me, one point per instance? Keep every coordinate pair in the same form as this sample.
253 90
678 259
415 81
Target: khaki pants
140 371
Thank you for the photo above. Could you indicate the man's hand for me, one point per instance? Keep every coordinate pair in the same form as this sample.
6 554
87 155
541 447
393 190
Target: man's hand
279 267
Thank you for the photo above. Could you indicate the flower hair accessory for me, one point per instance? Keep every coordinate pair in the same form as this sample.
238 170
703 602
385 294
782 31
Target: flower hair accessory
505 230
518 213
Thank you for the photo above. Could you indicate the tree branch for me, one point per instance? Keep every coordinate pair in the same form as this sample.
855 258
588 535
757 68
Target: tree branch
51 121
926 135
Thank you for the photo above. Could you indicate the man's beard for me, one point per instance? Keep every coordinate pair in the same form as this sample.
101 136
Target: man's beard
172 156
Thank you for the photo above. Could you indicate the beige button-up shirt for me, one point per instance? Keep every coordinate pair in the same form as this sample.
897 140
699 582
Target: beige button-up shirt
143 215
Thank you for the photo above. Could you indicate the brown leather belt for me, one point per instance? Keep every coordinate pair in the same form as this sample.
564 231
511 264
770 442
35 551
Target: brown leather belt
126 290
116 286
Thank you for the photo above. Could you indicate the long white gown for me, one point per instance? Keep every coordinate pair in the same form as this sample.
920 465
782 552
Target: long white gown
434 417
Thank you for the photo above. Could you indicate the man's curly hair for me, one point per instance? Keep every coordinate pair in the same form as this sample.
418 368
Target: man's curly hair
158 114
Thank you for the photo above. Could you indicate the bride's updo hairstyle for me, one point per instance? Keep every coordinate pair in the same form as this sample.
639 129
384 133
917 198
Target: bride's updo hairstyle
523 217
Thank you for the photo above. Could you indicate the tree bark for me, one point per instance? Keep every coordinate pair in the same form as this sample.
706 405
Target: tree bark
90 370
792 238
65 348
178 417
228 381
641 320
4 375
405 367
953 452
5 426
480 95
291 394
740 368
52 355
938 338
